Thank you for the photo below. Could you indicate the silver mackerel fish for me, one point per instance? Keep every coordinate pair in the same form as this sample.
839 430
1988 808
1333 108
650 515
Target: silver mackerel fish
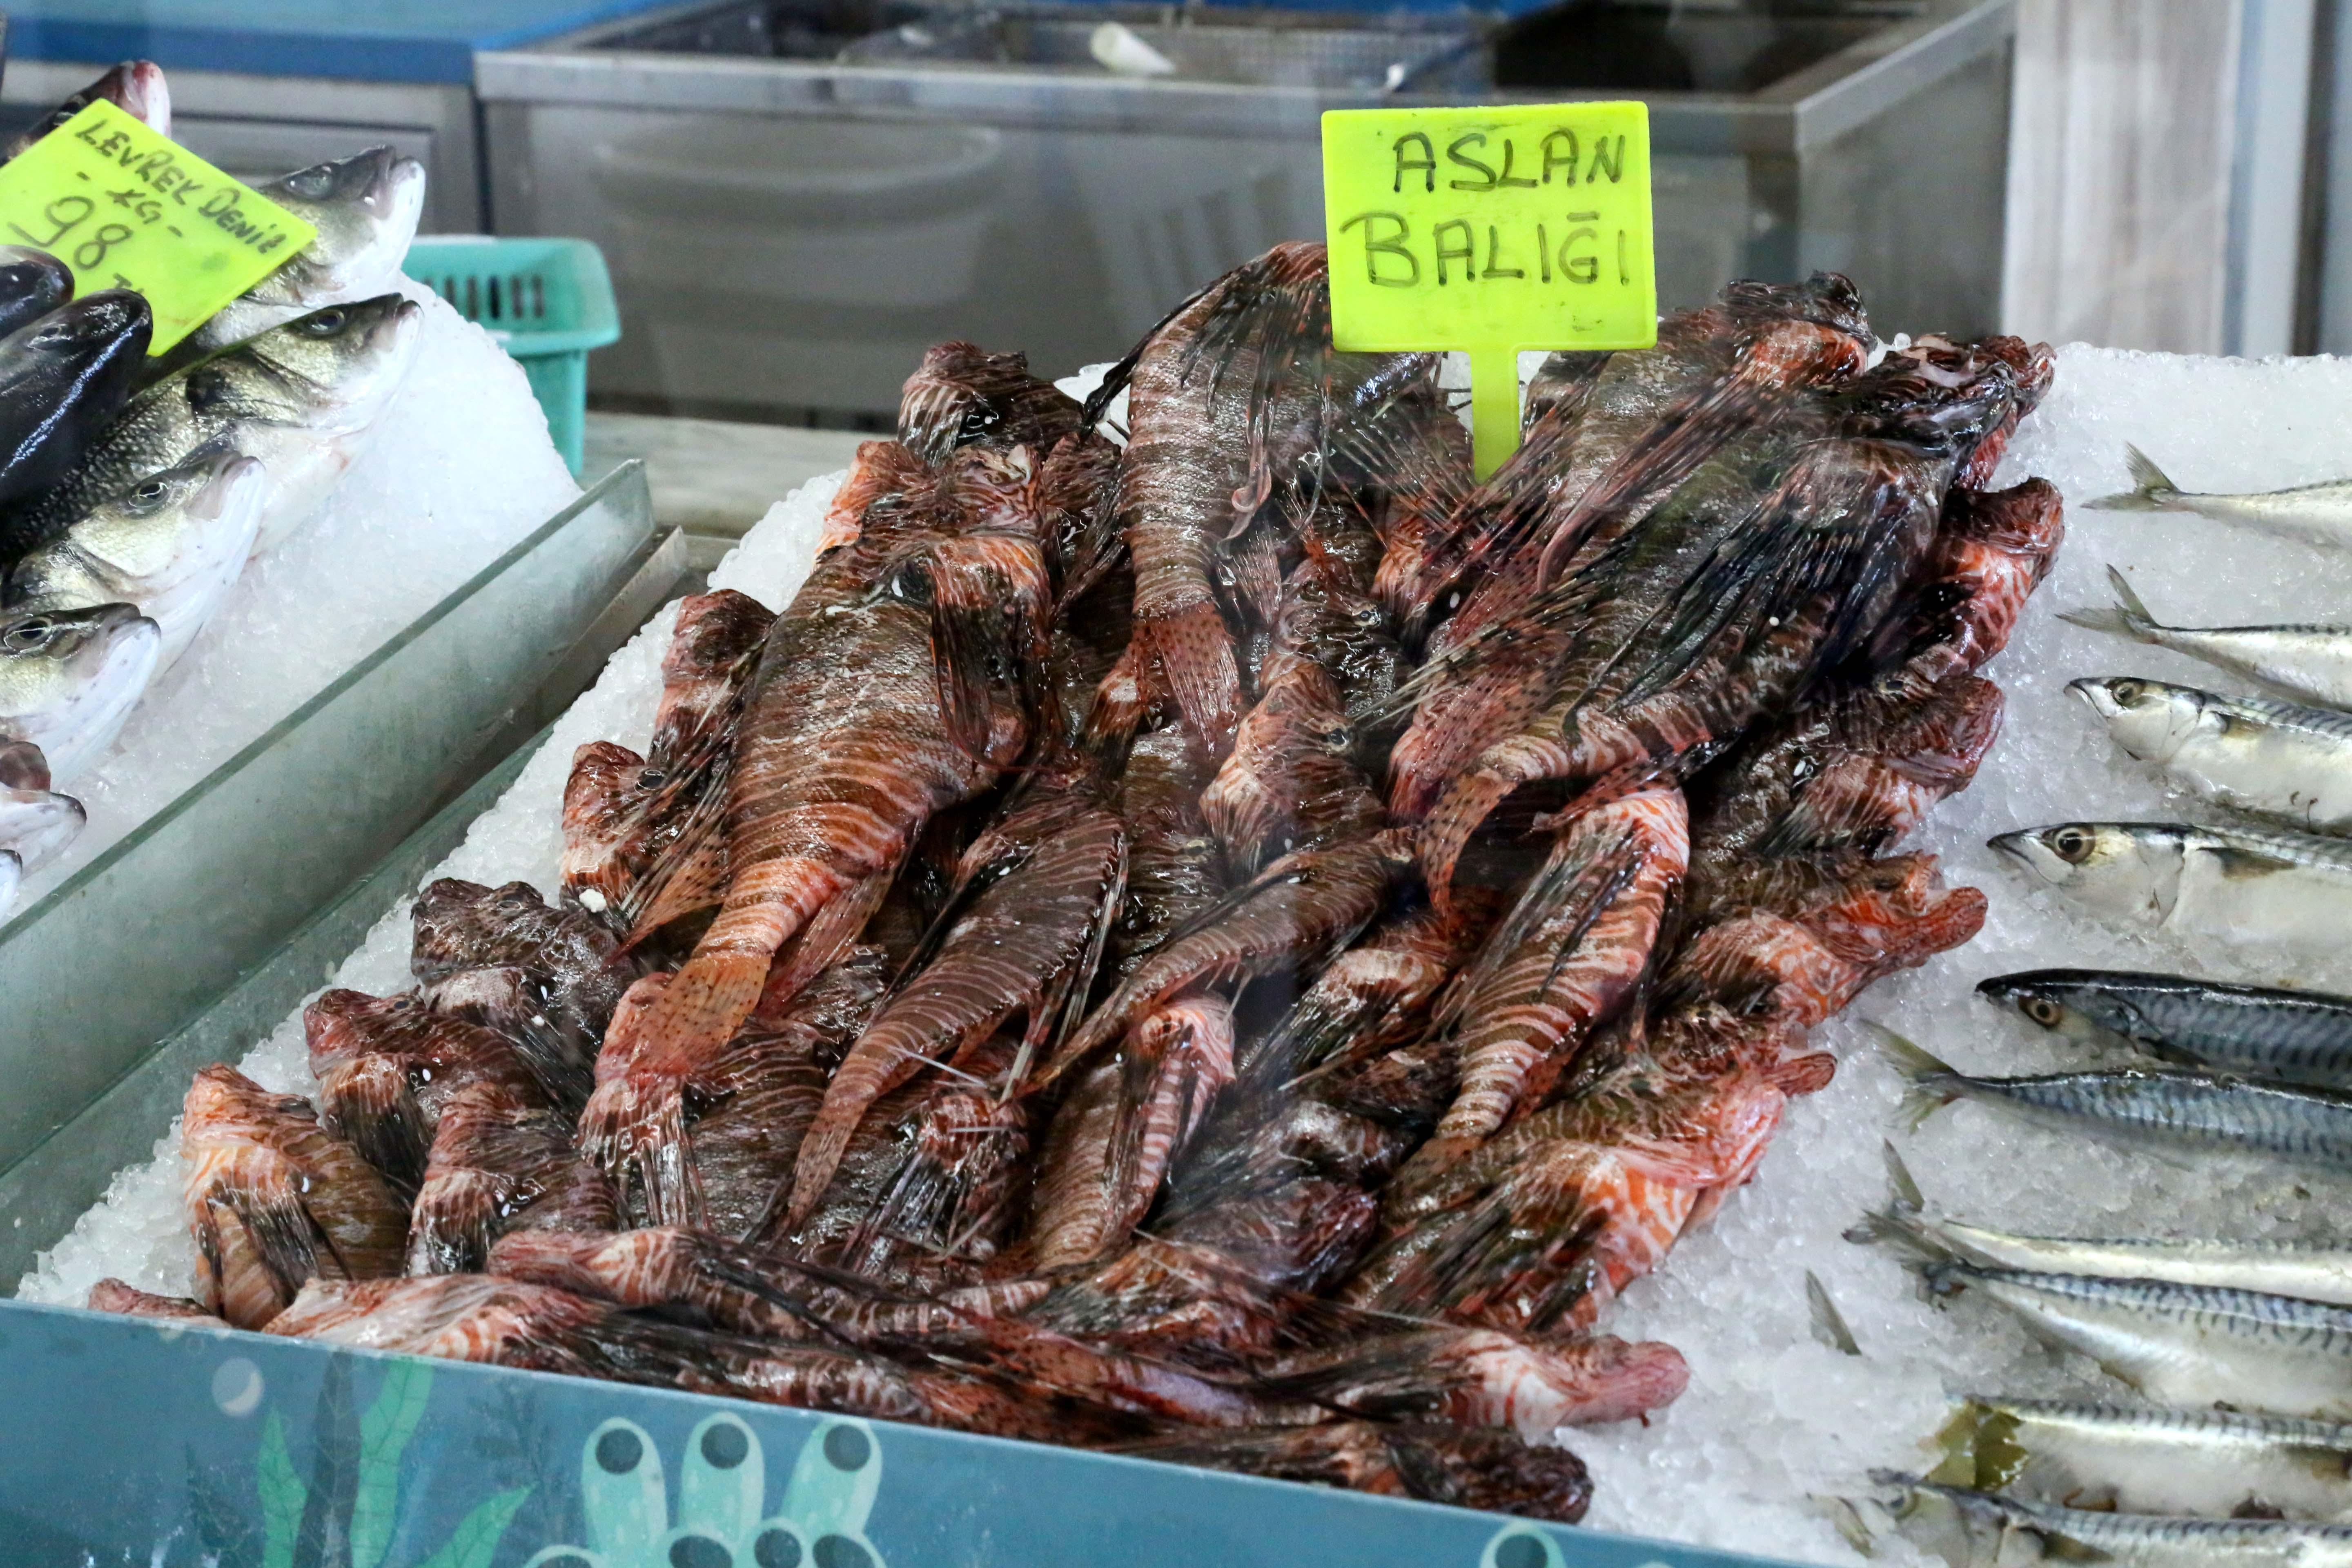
2238 885
2139 1460
2253 753
2321 514
2263 1031
1976 1530
2313 1271
2189 1345
2173 1109
2312 662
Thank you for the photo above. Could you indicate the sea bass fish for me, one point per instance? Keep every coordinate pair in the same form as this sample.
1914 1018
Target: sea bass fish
69 680
63 379
2312 662
1972 1529
2321 514
2301 1036
2307 1126
2256 753
365 208
32 284
37 825
2234 884
172 546
301 398
2135 1460
135 87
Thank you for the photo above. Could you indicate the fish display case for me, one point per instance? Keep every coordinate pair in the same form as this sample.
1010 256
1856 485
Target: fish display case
170 918
798 197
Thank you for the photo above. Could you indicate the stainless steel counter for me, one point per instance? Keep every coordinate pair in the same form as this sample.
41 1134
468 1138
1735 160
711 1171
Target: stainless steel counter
797 196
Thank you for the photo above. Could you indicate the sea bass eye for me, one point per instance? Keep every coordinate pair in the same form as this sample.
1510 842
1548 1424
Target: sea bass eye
2043 1011
324 323
28 635
2130 693
2072 845
315 183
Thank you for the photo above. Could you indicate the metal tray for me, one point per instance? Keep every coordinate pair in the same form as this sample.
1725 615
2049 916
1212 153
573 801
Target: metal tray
153 932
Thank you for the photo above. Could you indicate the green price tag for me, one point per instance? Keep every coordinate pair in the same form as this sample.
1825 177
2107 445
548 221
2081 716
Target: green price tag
1490 230
126 208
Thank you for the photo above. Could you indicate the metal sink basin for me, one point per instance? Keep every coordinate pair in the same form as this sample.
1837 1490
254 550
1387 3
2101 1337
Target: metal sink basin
1221 43
1634 45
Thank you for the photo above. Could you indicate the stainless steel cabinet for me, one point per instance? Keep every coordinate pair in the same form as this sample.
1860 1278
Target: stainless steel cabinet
257 128
797 196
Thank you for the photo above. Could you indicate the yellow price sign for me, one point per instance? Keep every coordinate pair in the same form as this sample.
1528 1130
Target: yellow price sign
1491 230
126 208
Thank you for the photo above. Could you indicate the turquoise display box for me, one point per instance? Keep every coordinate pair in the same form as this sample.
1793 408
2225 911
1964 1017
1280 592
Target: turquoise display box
165 1447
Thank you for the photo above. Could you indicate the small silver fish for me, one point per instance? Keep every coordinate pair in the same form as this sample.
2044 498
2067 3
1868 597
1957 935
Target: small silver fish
2314 1271
2320 513
172 546
1974 1530
2138 1460
2255 753
2238 885
2265 1031
2312 662
68 678
2189 1345
2181 1109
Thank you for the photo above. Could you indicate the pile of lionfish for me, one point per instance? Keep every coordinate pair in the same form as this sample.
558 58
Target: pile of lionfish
1234 945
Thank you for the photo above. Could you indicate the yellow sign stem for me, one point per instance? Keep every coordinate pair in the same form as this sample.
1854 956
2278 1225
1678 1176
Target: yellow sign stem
1463 228
126 208
1494 409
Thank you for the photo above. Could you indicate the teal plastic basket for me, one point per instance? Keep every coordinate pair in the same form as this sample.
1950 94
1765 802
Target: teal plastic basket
549 300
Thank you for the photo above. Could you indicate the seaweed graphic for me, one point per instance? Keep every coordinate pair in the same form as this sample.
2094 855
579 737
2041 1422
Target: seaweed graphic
345 1513
721 1522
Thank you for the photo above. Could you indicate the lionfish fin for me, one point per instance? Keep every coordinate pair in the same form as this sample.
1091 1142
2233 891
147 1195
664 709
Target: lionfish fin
989 594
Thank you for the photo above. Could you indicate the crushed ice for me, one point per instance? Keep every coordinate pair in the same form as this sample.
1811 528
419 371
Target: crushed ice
1773 1418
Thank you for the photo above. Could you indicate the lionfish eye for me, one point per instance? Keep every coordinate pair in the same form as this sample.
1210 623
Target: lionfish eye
2043 1011
978 421
2072 845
